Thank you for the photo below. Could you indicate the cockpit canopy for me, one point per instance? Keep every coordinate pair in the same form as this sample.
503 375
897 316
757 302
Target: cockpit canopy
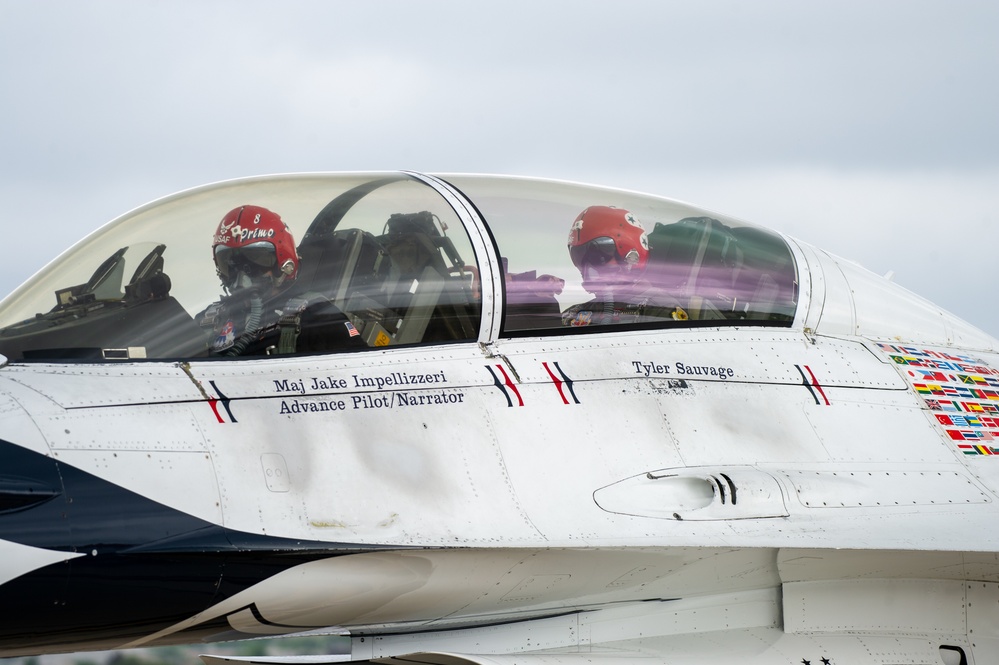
396 259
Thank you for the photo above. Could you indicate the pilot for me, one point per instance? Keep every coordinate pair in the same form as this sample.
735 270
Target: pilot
610 248
263 313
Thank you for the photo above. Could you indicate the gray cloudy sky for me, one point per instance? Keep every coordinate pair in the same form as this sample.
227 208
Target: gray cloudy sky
867 128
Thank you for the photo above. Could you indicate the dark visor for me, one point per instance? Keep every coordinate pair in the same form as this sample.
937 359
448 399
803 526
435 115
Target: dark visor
597 252
253 259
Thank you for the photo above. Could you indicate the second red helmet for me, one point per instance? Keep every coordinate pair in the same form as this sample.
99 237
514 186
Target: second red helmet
598 226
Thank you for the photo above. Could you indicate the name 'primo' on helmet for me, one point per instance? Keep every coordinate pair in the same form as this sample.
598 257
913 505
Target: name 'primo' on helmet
254 241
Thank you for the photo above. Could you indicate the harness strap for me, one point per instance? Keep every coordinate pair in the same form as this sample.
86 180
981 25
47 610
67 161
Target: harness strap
290 321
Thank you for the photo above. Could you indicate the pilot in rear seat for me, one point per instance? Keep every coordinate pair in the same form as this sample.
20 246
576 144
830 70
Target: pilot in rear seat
610 248
262 313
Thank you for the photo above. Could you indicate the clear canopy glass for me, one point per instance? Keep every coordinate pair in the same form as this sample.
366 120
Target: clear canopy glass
700 268
382 257
385 260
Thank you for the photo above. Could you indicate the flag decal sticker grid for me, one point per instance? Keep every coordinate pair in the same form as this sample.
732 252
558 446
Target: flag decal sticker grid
962 392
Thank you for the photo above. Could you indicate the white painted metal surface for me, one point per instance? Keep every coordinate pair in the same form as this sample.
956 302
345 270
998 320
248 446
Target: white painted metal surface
818 491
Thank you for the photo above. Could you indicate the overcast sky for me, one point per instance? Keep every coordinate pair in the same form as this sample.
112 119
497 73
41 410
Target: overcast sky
870 129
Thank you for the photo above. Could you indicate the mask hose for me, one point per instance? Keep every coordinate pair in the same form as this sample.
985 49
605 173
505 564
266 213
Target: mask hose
252 323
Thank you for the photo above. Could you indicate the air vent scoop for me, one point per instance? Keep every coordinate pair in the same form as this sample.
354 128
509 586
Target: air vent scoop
695 493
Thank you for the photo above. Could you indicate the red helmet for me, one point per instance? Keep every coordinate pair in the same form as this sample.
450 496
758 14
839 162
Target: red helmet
254 241
603 233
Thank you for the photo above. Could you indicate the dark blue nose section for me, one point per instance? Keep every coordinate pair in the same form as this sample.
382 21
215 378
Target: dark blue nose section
133 566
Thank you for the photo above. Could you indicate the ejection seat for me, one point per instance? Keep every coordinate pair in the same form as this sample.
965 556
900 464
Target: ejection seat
349 269
697 259
434 300
395 287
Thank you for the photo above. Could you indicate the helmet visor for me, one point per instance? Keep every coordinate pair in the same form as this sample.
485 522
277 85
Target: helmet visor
596 252
254 259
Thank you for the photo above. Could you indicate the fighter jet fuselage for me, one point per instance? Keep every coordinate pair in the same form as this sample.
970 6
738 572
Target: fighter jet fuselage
496 418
